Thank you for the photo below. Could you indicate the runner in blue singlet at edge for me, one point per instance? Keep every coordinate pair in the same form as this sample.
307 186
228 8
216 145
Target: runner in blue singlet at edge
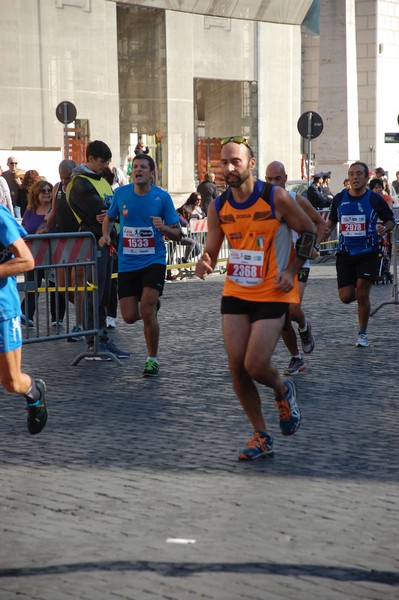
16 258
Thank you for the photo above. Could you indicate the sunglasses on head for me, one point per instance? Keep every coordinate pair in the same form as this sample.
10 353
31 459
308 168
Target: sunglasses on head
237 139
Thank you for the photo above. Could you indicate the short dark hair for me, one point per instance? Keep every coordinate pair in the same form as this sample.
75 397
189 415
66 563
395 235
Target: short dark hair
361 164
376 181
146 157
98 149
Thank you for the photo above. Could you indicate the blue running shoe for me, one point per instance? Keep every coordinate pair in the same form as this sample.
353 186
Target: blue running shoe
259 446
24 321
102 348
112 347
290 417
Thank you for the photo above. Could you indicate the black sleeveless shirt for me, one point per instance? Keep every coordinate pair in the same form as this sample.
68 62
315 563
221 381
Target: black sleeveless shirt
66 221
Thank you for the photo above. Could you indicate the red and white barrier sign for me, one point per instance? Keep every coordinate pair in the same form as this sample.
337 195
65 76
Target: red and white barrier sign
199 225
60 251
325 212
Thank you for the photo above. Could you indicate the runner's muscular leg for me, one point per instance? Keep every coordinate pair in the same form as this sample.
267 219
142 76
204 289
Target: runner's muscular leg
347 294
236 333
12 379
130 309
363 287
264 336
148 302
295 314
295 311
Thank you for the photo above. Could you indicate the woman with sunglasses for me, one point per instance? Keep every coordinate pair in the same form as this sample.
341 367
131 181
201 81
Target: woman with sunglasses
30 177
34 221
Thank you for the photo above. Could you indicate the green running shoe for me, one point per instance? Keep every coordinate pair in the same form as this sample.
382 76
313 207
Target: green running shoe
151 368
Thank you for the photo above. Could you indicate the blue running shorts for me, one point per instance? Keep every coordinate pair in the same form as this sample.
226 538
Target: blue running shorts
10 335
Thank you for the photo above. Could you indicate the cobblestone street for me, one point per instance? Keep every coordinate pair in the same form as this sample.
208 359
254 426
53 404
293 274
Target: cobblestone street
95 506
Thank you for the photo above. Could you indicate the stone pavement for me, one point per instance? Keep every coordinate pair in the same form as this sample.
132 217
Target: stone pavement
125 464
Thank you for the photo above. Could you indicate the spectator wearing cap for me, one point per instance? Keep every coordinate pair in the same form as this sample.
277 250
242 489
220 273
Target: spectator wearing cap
314 194
325 186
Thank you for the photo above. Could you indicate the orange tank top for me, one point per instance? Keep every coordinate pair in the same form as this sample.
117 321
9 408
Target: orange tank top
260 247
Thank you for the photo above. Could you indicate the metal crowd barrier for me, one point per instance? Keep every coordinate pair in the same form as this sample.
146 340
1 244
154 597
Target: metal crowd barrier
328 248
75 254
198 230
394 237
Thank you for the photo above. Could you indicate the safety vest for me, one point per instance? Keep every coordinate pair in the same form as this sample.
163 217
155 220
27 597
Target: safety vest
101 186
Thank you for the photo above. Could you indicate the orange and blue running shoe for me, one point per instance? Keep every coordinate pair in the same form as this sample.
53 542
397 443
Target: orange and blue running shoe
290 416
259 446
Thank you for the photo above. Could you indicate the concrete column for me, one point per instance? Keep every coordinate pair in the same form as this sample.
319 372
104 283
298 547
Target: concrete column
180 42
338 145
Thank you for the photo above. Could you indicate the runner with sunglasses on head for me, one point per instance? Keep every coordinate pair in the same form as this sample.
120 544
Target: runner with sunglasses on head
261 282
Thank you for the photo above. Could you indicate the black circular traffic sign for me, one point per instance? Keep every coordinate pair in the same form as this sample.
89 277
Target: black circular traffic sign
66 112
310 125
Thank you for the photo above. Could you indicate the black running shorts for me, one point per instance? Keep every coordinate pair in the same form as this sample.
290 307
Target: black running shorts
132 283
351 268
255 310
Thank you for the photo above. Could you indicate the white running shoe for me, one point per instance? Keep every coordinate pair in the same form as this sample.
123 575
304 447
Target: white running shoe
362 340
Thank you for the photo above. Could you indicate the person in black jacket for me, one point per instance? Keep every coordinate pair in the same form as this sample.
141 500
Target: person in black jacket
89 195
314 194
208 190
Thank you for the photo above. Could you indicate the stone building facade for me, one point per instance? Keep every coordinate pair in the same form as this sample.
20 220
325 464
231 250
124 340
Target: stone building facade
181 80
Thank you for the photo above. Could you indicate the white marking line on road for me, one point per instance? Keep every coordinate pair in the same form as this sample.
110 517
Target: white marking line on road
179 541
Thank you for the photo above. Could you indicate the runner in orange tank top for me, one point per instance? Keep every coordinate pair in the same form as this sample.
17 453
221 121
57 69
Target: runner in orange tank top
260 284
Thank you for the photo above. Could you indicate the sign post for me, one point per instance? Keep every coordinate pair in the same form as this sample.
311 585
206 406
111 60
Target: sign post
66 113
310 125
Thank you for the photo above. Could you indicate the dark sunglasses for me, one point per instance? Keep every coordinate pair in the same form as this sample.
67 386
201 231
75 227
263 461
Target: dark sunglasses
237 139
45 190
12 163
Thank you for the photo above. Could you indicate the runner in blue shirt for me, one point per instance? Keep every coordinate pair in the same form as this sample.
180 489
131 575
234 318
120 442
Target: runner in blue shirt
146 214
363 217
16 258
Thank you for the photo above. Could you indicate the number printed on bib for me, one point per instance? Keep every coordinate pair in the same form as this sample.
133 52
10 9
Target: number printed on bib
353 225
138 240
245 266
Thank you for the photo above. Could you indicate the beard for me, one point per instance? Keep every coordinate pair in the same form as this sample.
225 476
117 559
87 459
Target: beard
235 181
